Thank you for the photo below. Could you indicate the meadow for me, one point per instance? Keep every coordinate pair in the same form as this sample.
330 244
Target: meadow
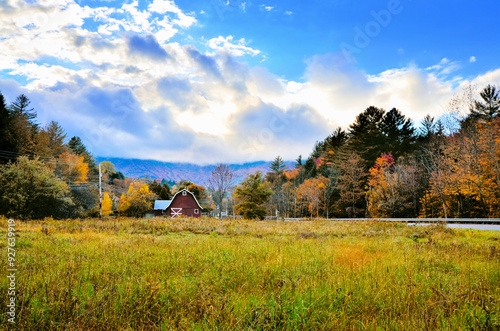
188 274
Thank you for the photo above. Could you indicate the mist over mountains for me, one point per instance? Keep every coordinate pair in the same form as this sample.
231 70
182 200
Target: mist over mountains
177 171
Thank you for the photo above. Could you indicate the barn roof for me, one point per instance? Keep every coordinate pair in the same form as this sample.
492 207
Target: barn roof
162 204
191 195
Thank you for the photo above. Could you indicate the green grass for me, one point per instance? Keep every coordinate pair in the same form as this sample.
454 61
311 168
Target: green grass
208 274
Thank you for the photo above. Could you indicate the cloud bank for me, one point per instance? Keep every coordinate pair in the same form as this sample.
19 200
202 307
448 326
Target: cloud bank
114 77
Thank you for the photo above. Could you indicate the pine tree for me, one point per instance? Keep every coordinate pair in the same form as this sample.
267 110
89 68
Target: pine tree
5 119
21 108
251 195
365 136
56 136
399 133
278 166
490 107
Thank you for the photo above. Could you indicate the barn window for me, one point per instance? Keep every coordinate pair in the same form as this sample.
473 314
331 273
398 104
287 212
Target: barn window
196 211
184 192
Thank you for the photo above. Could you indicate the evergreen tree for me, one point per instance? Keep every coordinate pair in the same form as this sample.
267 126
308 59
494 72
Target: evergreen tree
77 146
5 144
309 170
317 150
487 109
336 140
56 136
165 193
298 161
399 133
365 137
21 108
427 128
116 175
161 190
20 135
251 196
332 145
278 166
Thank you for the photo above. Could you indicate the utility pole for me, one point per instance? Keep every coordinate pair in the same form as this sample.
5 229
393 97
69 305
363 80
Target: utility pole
100 192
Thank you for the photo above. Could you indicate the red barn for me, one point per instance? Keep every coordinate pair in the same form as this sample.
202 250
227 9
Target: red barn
183 203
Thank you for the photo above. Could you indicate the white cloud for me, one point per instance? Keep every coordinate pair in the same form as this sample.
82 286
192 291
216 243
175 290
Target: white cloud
266 8
163 6
472 59
231 46
166 6
445 67
128 91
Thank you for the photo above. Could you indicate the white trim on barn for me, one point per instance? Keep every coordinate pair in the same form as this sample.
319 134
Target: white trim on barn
185 190
175 212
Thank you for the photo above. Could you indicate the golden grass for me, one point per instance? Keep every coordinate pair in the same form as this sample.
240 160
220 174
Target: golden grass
192 274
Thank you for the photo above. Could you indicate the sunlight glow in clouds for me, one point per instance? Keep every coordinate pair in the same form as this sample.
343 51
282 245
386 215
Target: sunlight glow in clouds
119 78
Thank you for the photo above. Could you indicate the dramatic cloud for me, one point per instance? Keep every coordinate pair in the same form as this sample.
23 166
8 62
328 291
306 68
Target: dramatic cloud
147 46
115 77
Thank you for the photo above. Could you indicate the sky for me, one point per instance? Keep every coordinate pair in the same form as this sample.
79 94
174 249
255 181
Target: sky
237 81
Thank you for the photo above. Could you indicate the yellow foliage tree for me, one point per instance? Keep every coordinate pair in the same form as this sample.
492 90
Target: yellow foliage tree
107 205
465 176
72 168
138 200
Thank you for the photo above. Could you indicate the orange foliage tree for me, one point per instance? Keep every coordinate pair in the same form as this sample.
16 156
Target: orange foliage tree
392 188
311 191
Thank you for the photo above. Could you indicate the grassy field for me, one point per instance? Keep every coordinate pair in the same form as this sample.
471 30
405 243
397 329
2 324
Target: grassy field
208 274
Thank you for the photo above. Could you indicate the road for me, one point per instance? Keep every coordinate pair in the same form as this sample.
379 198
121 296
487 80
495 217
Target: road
493 227
458 223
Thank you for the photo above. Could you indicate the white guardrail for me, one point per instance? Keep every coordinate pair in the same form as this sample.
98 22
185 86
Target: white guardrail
407 220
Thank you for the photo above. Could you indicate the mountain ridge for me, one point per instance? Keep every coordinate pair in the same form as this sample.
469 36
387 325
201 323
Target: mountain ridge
177 171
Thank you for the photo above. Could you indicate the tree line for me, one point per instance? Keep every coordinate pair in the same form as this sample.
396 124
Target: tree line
44 174
384 166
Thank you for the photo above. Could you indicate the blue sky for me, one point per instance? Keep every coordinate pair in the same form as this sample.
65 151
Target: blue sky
236 81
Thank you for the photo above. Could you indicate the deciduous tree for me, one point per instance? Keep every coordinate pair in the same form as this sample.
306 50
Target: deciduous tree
72 168
30 190
107 205
351 185
219 183
138 200
312 191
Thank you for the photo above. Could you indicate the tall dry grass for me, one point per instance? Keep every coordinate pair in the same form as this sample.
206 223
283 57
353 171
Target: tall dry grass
205 274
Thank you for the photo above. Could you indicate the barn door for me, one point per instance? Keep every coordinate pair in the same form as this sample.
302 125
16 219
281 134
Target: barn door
174 212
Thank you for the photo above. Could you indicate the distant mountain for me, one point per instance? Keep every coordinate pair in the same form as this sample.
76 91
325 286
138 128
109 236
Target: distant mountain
135 168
